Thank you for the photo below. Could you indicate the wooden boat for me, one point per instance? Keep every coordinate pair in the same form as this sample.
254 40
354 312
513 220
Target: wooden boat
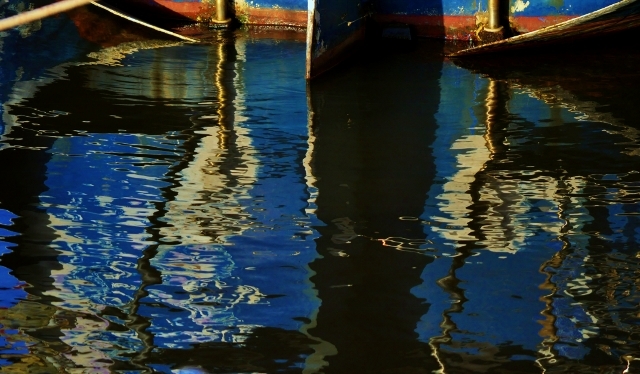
335 26
619 17
284 13
451 19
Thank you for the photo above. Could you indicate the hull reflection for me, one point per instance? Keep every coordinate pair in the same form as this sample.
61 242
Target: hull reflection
373 165
150 239
199 207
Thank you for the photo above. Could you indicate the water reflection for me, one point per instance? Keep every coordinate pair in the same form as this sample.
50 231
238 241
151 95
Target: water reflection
140 227
373 165
199 207
534 195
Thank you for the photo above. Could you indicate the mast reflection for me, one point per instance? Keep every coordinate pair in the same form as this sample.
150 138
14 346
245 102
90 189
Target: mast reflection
538 197
177 207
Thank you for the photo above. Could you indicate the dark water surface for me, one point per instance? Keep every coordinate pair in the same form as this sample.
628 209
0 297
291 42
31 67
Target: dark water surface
179 208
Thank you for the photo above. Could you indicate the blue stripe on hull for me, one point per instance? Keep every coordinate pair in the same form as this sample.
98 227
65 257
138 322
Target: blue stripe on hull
527 8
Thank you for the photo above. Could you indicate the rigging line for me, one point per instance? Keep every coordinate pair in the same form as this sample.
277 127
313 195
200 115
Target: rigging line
129 18
40 13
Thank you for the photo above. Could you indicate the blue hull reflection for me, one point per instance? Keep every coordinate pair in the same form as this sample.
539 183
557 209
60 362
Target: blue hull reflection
200 208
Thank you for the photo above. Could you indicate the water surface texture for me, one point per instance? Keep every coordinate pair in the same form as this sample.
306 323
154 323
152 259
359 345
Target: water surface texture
198 208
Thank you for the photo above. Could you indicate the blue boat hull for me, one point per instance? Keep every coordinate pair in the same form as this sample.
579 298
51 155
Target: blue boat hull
336 25
451 19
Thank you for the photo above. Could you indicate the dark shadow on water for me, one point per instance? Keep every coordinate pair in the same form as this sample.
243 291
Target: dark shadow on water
372 132
601 71
43 117
594 83
149 11
373 123
596 77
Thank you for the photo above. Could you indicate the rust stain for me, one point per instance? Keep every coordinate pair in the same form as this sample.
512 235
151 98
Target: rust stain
272 17
206 12
106 31
556 3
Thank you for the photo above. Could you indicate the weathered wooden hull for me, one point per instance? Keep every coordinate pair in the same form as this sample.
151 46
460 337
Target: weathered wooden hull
451 19
335 26
291 13
459 19
618 17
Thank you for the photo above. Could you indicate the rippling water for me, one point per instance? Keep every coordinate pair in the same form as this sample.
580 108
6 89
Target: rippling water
180 208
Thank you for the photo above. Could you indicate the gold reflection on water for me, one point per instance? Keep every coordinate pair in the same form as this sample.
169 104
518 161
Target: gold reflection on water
548 330
221 81
573 217
207 188
499 206
113 56
496 109
222 168
42 358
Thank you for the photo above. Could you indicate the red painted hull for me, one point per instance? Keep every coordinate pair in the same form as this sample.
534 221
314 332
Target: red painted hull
205 12
275 17
449 27
462 27
189 9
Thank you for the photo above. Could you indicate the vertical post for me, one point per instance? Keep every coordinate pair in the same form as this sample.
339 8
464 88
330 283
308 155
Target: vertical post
221 12
496 27
497 115
494 16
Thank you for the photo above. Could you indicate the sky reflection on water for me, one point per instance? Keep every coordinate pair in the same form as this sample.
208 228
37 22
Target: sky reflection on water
199 207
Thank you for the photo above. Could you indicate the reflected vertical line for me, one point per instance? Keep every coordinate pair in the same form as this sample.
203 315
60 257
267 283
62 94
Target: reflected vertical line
149 274
549 331
505 196
494 108
315 362
219 81
496 102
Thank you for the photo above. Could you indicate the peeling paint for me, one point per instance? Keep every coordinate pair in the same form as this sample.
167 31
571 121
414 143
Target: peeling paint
451 19
320 44
557 3
519 6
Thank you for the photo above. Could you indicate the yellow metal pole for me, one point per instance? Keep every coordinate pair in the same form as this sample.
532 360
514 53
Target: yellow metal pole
494 16
129 18
494 23
221 12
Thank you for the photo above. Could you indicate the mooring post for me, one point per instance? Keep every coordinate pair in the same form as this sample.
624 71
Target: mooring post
494 24
222 16
494 29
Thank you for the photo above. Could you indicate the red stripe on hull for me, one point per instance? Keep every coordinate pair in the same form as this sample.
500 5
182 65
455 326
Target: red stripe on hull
528 24
274 17
189 9
463 27
449 27
253 16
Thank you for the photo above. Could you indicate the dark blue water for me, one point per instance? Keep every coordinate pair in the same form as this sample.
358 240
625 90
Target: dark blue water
198 208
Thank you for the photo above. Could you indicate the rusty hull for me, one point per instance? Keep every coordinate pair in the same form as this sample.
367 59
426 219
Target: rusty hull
619 17
449 19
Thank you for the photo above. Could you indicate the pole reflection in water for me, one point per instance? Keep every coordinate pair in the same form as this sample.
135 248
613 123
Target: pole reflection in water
160 244
199 207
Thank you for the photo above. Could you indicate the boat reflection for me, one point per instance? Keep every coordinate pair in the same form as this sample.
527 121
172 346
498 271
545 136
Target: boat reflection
373 127
141 221
199 207
539 194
